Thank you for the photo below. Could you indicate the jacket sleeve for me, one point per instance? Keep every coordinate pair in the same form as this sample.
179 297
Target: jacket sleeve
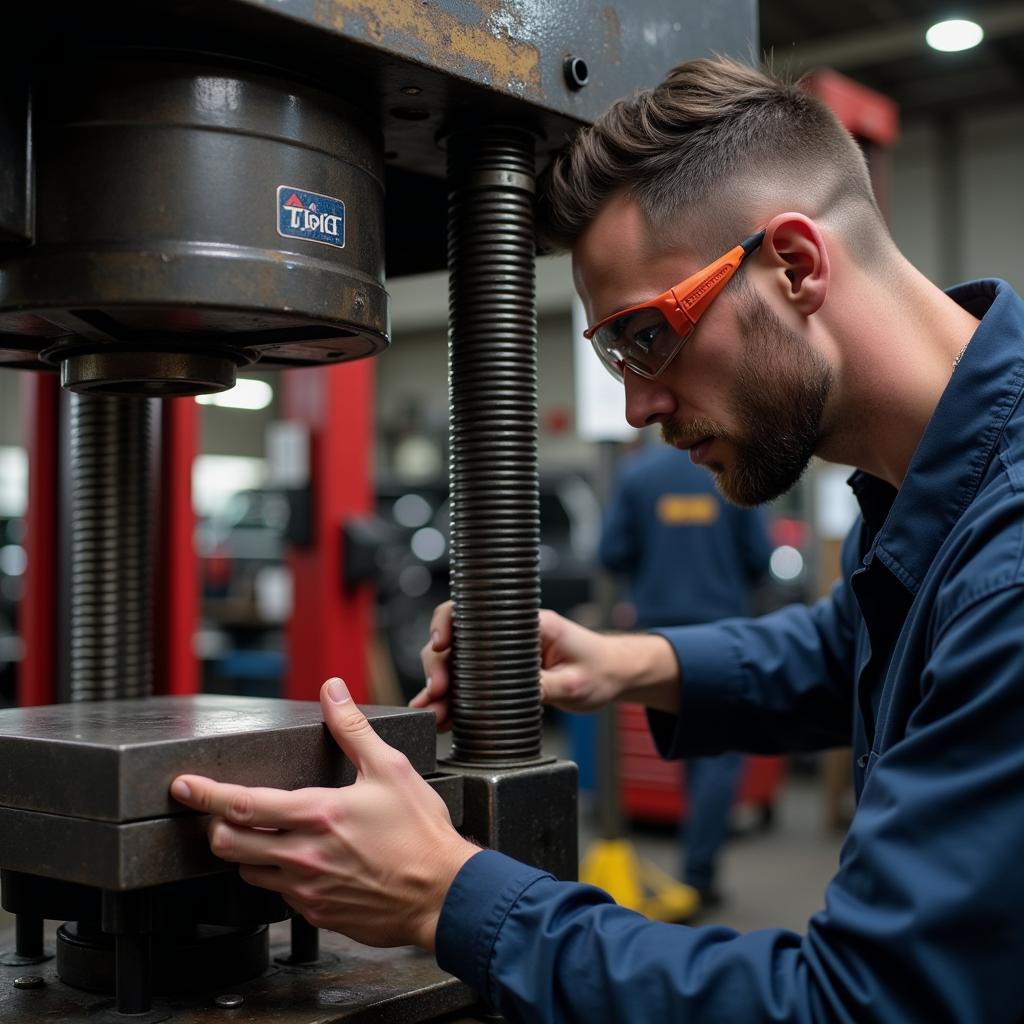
921 921
779 683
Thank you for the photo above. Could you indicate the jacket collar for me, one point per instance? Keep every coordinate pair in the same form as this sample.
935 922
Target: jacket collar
957 445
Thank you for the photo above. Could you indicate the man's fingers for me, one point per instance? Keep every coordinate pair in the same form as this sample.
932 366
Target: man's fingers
549 685
554 629
561 683
271 878
435 670
349 726
441 627
246 845
252 806
436 689
441 711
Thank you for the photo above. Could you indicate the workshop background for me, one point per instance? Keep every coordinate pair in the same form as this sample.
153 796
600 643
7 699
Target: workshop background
952 184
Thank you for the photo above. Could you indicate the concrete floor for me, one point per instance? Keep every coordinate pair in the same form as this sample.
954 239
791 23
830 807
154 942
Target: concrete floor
769 879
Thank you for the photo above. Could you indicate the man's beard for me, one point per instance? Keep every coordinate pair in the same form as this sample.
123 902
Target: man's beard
781 389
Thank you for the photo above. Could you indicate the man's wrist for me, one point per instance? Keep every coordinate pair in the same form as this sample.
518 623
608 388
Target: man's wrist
648 672
461 850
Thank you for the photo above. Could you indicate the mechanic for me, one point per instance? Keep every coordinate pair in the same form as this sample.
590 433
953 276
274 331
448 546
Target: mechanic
827 342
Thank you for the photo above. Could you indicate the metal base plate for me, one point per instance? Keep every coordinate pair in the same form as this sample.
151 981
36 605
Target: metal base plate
350 983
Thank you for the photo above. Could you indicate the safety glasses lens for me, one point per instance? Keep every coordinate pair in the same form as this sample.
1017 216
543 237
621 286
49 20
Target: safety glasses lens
643 340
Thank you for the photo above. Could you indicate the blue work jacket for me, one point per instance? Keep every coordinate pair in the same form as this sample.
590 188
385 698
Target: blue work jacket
688 555
918 654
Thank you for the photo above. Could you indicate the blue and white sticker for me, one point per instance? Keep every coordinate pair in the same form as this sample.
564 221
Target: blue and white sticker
309 215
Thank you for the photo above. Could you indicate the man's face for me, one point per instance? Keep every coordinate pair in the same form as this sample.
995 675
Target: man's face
781 388
746 394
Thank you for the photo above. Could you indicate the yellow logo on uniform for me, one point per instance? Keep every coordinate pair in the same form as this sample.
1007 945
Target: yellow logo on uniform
688 509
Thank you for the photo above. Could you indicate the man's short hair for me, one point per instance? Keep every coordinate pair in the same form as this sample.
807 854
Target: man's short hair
697 150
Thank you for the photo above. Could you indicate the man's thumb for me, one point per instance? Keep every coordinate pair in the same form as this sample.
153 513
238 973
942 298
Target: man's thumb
555 683
348 724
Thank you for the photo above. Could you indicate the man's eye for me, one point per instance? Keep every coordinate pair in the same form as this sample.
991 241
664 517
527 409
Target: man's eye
645 337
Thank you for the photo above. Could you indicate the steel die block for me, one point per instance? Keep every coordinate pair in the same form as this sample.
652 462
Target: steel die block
529 813
114 760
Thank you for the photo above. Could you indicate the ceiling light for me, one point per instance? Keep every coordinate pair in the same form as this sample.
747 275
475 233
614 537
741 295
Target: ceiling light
246 394
953 35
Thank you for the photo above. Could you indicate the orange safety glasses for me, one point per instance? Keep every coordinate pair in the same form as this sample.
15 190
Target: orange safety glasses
648 336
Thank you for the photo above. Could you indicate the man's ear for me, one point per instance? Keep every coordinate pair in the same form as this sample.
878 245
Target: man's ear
795 246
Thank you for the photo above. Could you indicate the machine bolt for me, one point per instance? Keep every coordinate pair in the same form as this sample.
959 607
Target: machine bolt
29 981
577 74
230 1001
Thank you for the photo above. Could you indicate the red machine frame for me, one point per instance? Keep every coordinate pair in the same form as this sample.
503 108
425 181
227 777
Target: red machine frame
330 626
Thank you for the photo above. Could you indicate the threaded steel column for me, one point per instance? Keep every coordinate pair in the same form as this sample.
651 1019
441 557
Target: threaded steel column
495 519
111 606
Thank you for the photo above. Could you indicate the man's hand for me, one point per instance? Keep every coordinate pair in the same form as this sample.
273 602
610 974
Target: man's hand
580 670
373 860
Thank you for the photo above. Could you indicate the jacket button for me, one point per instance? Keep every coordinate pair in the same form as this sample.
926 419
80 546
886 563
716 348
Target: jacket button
862 761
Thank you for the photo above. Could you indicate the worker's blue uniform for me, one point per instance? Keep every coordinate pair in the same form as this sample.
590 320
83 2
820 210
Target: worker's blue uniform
689 557
919 655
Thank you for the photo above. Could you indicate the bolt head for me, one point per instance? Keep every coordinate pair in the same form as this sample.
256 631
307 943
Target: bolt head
576 72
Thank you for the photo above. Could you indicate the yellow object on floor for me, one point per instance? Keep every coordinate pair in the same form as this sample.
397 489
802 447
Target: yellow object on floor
613 865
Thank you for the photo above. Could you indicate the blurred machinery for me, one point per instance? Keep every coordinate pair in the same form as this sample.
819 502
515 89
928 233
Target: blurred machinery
187 188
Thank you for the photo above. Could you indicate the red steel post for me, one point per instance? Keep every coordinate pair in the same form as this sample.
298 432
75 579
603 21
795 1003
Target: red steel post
37 682
330 627
176 564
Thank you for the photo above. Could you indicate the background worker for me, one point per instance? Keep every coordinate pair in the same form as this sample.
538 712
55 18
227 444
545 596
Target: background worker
827 342
688 557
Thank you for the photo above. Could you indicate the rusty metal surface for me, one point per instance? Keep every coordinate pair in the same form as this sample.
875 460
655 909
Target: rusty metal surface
114 760
353 983
518 47
513 48
527 813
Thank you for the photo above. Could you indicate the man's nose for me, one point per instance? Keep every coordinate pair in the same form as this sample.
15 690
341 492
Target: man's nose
647 401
